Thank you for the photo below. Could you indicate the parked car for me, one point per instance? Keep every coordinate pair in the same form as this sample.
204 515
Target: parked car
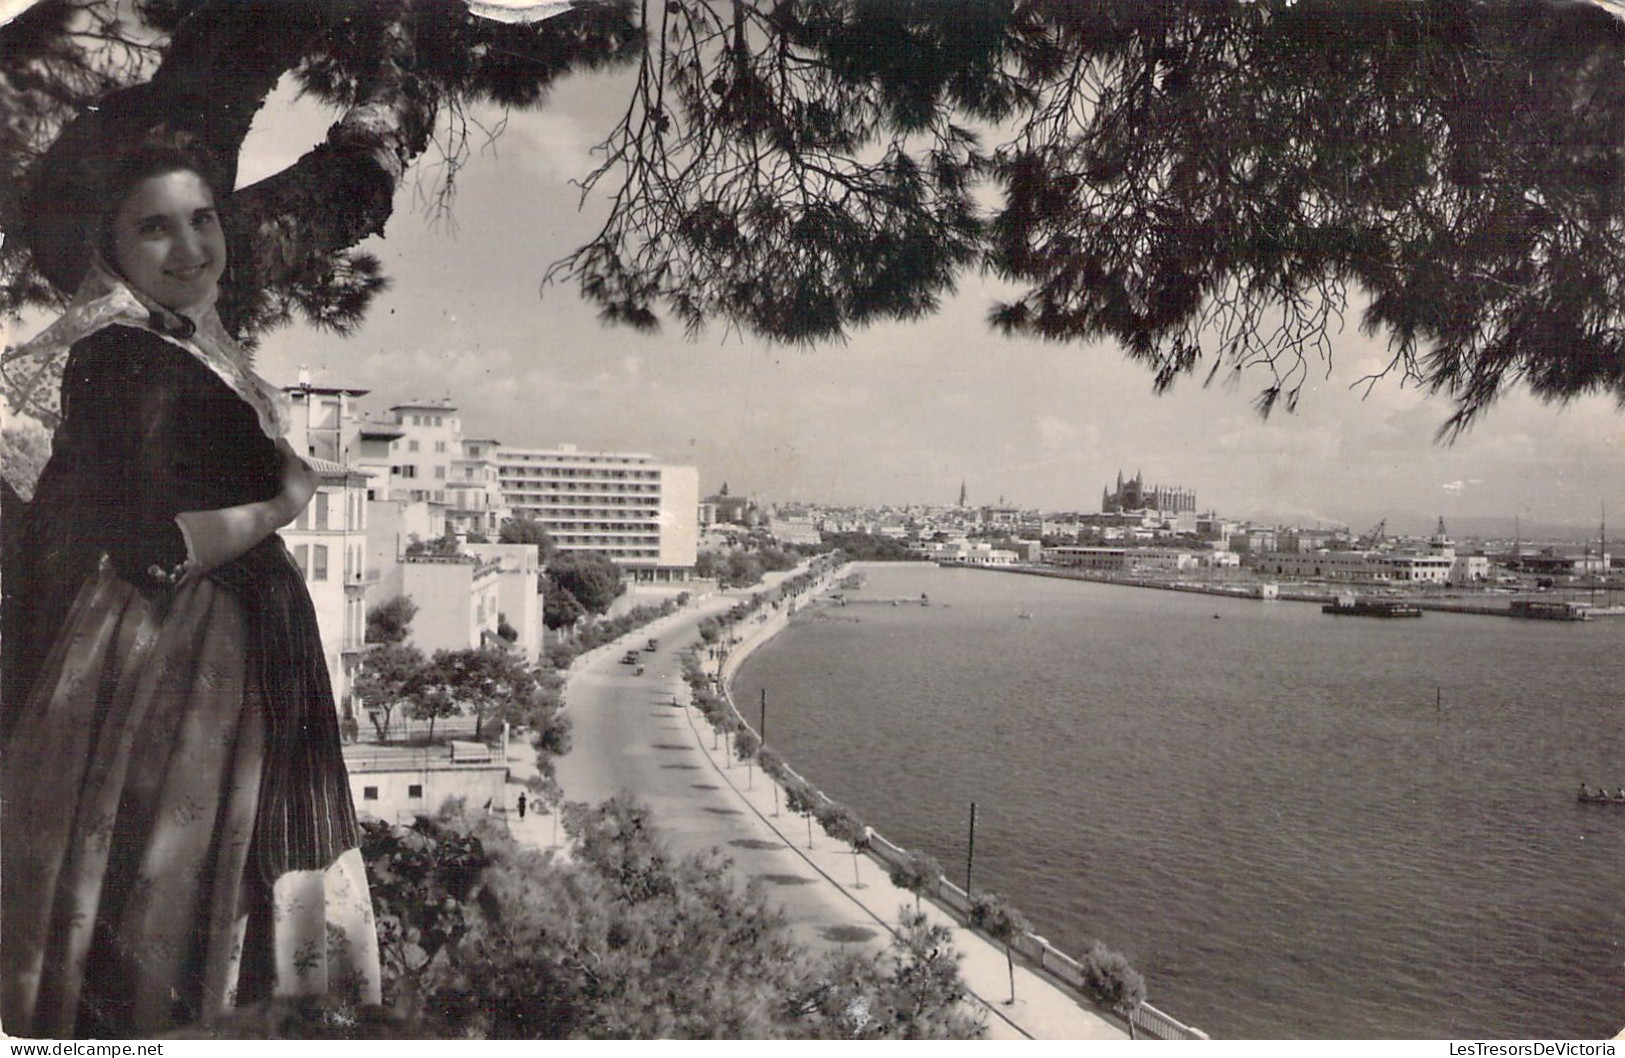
630 658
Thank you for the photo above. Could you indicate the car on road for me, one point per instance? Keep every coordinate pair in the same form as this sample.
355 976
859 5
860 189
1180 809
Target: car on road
652 646
630 658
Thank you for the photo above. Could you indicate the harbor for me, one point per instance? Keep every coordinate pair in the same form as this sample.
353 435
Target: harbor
1566 609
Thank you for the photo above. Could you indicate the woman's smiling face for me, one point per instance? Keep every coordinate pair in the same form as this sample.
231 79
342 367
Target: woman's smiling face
167 240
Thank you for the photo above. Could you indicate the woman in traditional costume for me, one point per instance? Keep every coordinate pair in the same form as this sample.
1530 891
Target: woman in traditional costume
178 831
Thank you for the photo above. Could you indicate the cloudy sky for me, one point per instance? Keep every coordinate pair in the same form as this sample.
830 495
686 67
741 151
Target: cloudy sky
900 414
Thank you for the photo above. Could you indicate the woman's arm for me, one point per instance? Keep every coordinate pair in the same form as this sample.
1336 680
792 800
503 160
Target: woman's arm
214 538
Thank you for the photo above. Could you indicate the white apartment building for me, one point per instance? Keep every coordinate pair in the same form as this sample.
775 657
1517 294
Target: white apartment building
473 492
329 543
459 600
520 604
642 514
324 419
410 454
966 553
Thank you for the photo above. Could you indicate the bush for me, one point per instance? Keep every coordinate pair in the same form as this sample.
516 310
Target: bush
771 763
388 621
1109 980
489 940
918 873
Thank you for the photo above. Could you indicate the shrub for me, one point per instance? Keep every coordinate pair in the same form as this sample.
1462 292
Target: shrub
746 743
624 941
1109 980
918 873
771 763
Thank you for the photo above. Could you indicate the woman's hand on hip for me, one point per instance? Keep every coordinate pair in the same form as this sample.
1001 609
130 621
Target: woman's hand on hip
216 537
298 484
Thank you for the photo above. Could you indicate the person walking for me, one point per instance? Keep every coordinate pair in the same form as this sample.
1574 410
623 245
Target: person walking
521 804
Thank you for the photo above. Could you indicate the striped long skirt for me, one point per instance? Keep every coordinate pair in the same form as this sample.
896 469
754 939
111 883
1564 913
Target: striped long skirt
129 900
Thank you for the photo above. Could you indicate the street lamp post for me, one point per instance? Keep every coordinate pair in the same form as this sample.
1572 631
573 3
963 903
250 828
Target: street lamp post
970 852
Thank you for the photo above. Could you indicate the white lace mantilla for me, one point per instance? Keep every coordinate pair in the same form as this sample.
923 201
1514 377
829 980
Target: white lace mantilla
31 374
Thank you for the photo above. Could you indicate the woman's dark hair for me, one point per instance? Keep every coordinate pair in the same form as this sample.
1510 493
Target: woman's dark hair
131 134
160 152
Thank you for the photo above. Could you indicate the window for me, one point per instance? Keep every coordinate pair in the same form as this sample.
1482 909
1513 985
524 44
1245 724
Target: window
411 446
414 790
408 471
437 420
319 563
369 793
321 510
440 446
440 472
301 557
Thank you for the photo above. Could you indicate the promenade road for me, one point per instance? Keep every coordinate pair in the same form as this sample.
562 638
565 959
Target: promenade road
636 734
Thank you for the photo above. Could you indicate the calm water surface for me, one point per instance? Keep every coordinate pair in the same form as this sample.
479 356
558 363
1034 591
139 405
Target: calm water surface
1293 824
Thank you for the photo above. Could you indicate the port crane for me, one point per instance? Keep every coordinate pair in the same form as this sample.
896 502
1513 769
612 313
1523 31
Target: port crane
1374 536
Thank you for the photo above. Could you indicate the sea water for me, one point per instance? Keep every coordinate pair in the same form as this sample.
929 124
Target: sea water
1294 824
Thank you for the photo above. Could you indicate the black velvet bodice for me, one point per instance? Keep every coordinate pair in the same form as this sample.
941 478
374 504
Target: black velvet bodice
148 431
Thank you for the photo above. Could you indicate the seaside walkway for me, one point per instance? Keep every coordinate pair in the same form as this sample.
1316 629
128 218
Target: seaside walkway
637 735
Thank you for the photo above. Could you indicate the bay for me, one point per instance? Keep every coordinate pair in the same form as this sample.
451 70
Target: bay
1294 824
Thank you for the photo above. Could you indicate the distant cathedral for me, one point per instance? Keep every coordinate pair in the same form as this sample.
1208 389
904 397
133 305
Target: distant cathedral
1133 495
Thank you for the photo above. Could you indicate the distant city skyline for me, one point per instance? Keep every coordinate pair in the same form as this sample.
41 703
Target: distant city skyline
902 413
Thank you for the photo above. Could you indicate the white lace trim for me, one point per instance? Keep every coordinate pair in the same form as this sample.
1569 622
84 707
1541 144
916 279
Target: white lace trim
31 374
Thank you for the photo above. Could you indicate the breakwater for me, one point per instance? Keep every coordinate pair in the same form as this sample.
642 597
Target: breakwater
1143 1019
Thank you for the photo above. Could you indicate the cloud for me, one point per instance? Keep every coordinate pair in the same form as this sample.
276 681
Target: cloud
1056 432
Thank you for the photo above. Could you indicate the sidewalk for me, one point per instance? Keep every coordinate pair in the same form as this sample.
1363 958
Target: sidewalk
662 753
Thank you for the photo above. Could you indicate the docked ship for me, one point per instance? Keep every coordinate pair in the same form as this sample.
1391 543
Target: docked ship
1550 610
1349 604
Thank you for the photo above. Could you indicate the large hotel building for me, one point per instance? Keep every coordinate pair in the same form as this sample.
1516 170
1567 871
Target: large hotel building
640 513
